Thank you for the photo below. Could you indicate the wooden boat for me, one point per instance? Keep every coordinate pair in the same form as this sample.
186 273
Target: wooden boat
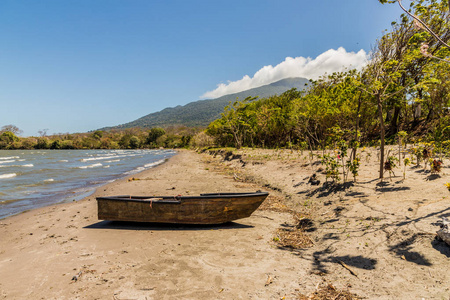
214 208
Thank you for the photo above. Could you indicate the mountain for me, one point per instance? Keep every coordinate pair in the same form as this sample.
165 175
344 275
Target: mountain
201 113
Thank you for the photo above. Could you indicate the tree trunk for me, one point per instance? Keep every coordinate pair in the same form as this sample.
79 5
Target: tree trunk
380 115
393 129
353 156
430 115
388 116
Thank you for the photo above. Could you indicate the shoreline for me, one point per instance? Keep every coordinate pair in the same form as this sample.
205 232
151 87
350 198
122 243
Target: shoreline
76 193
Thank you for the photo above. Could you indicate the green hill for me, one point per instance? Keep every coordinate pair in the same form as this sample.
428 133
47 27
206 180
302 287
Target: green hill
203 112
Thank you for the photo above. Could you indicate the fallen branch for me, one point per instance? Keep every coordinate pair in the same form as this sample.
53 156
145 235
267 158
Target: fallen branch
348 268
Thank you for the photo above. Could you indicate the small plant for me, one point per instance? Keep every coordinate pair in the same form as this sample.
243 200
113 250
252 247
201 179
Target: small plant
369 155
436 166
447 185
427 152
418 153
343 147
353 166
406 162
331 167
401 135
389 165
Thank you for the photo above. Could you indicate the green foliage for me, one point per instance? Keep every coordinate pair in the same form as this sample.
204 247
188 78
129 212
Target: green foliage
154 134
7 139
406 162
436 166
98 134
390 164
42 143
134 142
332 167
56 145
353 166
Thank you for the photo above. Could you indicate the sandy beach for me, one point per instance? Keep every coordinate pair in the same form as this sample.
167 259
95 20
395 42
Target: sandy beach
374 239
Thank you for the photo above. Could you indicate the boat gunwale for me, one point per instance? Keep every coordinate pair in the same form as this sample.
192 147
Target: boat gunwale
178 199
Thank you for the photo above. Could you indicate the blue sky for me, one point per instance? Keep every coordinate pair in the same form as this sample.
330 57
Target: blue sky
78 65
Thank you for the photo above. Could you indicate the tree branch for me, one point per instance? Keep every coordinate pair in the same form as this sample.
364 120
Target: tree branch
423 24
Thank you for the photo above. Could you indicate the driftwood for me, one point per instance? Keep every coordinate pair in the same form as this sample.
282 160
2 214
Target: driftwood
444 232
348 268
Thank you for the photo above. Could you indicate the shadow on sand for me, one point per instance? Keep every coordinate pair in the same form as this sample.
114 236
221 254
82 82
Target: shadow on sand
122 225
441 246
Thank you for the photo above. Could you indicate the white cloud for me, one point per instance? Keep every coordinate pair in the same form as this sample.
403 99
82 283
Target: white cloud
327 62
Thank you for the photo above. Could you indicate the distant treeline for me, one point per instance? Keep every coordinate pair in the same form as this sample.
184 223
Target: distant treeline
134 138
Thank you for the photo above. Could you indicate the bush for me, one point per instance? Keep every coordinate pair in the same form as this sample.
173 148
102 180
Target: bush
202 140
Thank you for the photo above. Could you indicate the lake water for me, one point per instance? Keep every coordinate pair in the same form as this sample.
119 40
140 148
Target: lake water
36 178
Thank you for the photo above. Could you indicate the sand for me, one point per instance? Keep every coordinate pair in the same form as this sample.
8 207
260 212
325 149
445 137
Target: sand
383 233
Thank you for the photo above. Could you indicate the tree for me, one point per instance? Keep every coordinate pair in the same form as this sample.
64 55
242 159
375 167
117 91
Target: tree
235 121
398 69
7 138
420 23
43 132
134 142
154 134
11 128
55 145
98 134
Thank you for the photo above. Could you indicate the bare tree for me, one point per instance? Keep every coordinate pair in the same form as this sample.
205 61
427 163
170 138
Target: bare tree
43 132
11 128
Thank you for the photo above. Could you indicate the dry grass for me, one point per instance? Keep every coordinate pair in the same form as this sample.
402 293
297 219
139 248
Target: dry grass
292 238
274 203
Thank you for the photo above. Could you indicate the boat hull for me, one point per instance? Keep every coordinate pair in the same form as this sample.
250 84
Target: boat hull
215 208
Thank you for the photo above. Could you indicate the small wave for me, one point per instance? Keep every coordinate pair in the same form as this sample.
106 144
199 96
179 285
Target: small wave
91 166
114 160
10 175
100 158
7 161
9 157
16 166
49 180
106 166
147 166
153 164
63 160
